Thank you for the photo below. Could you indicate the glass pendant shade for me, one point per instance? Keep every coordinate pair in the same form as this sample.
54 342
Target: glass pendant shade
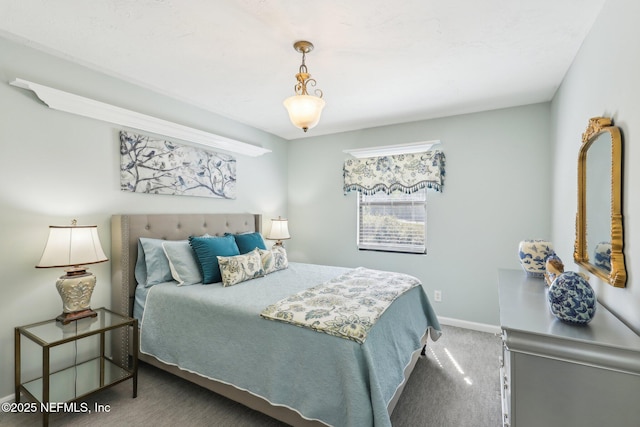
304 110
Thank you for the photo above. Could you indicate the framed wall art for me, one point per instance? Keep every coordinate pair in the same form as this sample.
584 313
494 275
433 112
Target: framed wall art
154 166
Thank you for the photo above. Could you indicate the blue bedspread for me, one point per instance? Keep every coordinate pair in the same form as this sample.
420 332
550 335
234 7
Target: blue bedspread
218 333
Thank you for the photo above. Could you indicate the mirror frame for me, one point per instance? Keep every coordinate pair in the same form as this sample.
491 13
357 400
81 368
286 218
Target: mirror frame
617 276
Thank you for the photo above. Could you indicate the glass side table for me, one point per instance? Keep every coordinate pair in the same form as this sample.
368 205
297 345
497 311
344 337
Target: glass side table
76 379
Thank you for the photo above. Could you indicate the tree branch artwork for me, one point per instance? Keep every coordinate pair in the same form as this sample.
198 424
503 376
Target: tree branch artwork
162 167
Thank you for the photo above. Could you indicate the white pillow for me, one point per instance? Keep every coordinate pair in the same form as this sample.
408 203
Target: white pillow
274 259
182 262
240 268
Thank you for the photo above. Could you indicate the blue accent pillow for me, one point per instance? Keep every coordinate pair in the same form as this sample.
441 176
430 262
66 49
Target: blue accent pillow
141 267
249 241
155 261
207 250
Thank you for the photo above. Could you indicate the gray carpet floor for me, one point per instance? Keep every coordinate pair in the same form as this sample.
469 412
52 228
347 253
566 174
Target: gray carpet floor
455 385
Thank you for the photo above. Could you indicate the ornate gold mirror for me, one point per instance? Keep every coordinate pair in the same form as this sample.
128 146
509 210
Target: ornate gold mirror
599 236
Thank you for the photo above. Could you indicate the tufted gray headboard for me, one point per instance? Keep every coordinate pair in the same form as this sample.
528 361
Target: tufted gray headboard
127 229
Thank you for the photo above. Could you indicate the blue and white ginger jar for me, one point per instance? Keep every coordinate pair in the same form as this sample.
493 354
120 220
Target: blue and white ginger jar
533 255
572 299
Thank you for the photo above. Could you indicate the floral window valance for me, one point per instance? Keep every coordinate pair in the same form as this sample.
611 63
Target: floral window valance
404 172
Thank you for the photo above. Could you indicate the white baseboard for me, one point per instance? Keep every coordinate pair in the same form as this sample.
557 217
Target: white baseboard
8 398
482 327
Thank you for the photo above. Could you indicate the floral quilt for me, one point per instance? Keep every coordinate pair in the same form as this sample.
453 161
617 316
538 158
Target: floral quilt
347 306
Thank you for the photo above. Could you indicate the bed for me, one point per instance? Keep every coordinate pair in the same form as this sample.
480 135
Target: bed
296 375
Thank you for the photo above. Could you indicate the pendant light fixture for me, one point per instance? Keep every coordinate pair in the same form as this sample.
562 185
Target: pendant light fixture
304 109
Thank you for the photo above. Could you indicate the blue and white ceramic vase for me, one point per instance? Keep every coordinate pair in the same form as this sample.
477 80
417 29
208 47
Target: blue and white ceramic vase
533 254
572 299
602 256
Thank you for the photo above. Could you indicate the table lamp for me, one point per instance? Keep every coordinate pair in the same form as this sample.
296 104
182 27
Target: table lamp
73 246
279 230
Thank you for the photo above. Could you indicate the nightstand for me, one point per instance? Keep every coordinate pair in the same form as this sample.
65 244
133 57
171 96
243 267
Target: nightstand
65 379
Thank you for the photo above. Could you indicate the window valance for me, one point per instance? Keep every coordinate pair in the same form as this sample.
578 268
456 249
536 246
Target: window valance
405 172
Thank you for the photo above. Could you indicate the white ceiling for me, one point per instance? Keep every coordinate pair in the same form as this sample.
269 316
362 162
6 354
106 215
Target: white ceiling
378 62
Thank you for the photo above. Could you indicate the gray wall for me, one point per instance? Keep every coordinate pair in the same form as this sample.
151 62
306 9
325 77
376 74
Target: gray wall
497 192
602 81
57 166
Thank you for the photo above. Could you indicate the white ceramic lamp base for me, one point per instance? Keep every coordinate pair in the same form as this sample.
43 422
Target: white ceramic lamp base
75 291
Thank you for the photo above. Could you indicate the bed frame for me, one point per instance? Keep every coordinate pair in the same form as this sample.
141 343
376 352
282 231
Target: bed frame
125 232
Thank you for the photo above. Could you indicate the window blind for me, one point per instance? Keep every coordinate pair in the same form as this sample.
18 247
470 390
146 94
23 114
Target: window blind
393 222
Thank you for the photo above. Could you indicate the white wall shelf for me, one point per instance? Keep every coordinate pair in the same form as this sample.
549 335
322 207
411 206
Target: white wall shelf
75 104
390 150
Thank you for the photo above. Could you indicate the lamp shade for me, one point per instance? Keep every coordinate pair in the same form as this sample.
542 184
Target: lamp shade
304 110
279 229
71 246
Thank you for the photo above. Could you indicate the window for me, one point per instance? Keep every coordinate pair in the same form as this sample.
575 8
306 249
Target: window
393 222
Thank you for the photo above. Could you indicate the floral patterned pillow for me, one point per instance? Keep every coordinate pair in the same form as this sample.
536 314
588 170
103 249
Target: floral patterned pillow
240 268
274 259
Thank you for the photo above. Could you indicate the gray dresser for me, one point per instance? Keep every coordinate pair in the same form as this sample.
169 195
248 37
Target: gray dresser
557 374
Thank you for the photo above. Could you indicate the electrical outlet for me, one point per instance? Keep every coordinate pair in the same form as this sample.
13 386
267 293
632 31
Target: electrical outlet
437 296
